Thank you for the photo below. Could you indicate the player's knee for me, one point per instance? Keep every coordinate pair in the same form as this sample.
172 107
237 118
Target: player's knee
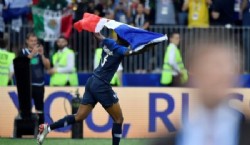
79 117
119 120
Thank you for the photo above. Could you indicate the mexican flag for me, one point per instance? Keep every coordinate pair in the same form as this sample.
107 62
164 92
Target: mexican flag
49 25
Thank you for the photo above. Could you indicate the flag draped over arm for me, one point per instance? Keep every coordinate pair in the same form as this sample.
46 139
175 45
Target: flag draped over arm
137 38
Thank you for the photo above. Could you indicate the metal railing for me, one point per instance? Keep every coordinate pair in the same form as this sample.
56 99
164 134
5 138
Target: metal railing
84 45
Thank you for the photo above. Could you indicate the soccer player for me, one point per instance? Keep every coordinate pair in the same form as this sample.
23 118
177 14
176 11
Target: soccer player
98 89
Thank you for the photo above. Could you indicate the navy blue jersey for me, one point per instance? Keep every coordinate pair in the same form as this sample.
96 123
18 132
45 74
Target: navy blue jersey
112 55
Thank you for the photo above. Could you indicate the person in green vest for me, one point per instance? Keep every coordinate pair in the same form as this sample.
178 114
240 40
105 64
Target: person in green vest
117 79
6 64
64 71
173 71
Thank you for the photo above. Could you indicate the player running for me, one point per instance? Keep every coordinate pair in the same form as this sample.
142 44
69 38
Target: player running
98 89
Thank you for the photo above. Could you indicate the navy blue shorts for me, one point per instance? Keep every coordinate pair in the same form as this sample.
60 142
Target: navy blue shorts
97 90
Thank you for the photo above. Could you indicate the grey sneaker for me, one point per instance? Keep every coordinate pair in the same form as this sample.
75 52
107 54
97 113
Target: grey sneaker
43 131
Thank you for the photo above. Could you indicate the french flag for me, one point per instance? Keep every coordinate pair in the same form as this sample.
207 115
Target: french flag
137 38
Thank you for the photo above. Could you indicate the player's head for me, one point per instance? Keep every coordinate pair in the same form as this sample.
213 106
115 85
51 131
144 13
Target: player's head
214 68
31 40
175 38
122 42
62 42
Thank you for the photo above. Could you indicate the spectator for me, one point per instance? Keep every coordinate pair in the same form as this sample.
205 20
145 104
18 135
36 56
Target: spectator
213 119
245 8
223 12
98 10
181 15
198 15
17 12
6 64
64 71
39 62
91 6
82 7
133 8
109 10
55 5
174 72
141 20
2 24
147 7
121 12
165 12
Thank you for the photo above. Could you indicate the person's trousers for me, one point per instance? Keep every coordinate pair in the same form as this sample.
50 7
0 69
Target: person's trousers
38 96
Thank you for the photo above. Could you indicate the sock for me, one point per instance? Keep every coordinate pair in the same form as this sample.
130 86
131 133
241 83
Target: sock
116 133
67 120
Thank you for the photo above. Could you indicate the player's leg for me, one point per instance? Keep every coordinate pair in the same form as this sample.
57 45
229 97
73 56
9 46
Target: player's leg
116 113
88 103
82 113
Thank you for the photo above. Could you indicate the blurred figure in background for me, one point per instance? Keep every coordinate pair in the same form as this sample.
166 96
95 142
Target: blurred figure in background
181 14
63 72
198 15
223 12
133 8
121 12
173 71
17 12
6 64
245 10
212 121
141 19
53 4
165 12
2 24
35 52
109 10
82 6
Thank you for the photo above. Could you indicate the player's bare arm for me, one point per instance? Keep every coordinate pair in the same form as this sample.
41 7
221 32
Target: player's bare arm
99 36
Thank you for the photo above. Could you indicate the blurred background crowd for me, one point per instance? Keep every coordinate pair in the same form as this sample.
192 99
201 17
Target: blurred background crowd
141 13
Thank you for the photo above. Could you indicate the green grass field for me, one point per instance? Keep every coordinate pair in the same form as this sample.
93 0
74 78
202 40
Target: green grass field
6 141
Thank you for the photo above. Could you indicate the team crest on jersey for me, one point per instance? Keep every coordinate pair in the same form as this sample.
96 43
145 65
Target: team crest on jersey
107 50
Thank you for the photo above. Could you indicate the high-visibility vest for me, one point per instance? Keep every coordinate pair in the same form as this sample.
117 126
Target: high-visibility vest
6 59
61 79
167 71
98 55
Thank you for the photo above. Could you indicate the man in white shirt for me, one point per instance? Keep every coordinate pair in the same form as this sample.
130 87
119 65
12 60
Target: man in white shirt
63 72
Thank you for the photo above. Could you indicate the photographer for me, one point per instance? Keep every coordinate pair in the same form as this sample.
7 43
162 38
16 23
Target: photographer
35 52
